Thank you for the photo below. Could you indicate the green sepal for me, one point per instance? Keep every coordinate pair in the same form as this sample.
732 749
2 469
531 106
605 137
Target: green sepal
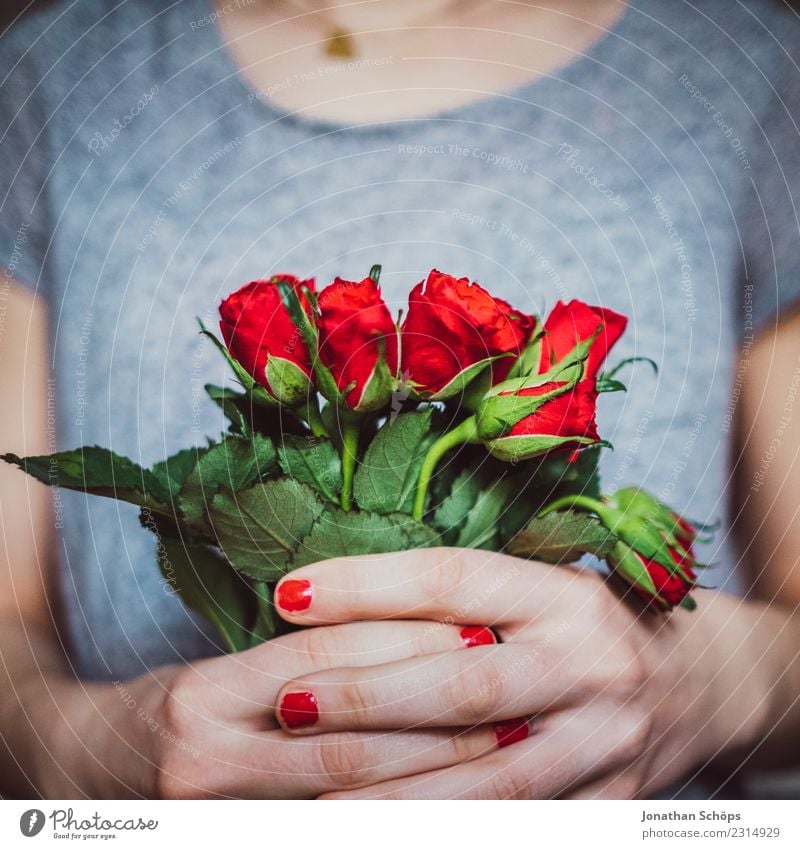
528 361
256 390
289 384
628 565
458 385
498 414
513 449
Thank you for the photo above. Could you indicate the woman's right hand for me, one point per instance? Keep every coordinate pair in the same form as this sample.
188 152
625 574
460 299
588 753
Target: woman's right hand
208 730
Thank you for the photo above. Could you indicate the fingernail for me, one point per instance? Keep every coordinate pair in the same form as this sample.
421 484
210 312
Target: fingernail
474 635
299 709
511 731
294 595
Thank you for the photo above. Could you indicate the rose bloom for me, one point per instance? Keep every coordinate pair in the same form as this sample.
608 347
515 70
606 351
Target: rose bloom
574 322
256 325
354 326
453 324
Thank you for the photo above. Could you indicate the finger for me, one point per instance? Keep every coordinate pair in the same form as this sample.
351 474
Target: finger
251 679
272 765
558 753
486 684
446 584
615 785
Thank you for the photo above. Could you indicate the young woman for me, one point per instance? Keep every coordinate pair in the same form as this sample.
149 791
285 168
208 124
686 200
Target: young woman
642 155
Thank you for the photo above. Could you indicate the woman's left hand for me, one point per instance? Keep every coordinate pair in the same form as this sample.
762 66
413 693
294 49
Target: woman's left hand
600 698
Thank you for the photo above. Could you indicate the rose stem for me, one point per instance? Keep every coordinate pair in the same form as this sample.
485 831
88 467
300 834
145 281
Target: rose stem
465 432
351 428
314 419
567 501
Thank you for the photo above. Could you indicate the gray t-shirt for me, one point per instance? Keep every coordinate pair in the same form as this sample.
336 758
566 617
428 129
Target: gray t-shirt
141 179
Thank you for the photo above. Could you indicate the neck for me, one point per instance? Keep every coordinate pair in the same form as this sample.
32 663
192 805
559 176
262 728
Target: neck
355 15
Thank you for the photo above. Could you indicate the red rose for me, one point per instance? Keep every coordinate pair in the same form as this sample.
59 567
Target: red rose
571 414
565 421
261 336
671 587
575 322
452 329
355 326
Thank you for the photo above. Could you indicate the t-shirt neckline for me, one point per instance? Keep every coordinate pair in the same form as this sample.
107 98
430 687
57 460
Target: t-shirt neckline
598 54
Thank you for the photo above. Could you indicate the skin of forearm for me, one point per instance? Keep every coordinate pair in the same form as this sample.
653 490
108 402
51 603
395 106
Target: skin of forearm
751 671
63 738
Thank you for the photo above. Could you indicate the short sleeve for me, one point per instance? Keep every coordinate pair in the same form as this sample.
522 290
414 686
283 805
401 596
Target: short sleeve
771 235
25 224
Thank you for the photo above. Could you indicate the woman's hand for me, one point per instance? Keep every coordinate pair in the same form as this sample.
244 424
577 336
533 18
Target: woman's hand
208 730
600 698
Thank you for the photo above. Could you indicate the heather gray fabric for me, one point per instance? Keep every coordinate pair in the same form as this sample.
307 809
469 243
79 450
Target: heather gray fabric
141 179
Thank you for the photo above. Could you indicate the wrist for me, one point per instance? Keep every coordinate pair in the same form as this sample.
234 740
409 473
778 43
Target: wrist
98 740
728 662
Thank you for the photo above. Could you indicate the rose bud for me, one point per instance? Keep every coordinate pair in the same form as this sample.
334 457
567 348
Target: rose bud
453 331
638 516
664 587
358 342
520 425
261 335
574 322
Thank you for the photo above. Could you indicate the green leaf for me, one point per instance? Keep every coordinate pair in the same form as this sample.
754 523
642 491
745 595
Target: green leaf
173 471
341 534
261 528
451 513
209 586
97 471
233 404
608 384
312 461
234 464
562 537
387 475
481 526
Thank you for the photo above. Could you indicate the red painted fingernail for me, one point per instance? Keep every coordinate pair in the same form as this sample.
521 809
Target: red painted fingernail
299 709
474 635
294 595
511 731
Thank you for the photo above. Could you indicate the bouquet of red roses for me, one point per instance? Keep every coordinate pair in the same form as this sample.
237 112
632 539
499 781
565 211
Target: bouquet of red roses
468 423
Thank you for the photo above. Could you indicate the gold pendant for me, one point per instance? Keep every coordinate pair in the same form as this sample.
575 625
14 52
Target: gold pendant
340 45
